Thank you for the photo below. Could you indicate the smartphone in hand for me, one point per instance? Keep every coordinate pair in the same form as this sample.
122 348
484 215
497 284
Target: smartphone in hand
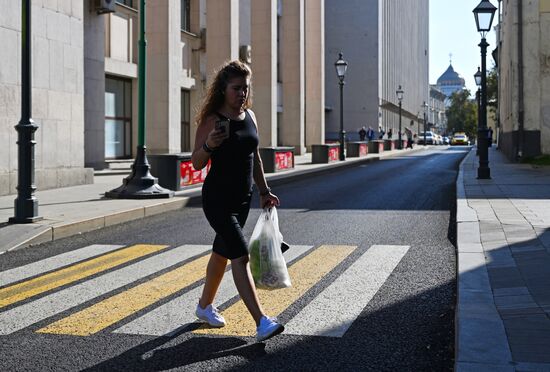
223 127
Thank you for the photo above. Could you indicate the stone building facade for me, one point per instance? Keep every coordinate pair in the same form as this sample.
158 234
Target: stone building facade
85 77
386 44
524 78
57 94
437 117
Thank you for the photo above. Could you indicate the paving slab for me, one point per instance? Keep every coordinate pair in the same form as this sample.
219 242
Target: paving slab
504 300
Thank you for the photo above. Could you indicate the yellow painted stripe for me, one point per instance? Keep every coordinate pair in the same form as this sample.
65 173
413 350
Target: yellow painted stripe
73 273
304 274
111 310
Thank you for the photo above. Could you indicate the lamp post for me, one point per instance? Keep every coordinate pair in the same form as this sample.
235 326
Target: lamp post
399 93
341 67
483 13
425 108
26 204
140 184
418 131
477 78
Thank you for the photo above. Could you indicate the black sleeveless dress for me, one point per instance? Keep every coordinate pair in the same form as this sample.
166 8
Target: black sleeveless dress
227 189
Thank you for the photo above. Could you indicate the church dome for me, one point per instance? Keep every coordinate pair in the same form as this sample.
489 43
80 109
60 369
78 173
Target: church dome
450 77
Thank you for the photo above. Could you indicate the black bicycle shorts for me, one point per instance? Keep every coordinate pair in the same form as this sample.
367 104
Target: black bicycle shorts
228 222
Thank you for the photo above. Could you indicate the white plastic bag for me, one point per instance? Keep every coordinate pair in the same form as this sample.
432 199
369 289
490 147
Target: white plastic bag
267 263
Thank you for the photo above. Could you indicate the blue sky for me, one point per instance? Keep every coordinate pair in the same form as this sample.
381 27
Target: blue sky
453 30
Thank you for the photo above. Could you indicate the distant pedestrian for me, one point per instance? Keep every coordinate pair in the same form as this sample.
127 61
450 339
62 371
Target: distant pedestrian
380 132
370 134
390 133
233 152
490 137
362 134
409 135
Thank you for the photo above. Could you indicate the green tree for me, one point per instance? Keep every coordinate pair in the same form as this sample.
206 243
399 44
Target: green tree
462 114
492 90
492 87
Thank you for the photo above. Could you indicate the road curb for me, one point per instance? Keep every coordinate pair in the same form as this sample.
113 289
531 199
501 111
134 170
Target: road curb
480 337
64 230
183 198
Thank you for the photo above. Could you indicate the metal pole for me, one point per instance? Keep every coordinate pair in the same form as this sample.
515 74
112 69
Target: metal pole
342 132
478 99
425 127
142 68
400 147
26 204
140 184
483 172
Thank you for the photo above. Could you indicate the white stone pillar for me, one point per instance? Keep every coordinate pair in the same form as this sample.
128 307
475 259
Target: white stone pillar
315 72
222 33
293 76
94 89
264 68
164 64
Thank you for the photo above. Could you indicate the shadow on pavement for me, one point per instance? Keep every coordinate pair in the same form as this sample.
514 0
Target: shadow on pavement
152 356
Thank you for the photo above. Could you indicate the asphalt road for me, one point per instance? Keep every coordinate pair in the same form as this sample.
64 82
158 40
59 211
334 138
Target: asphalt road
401 204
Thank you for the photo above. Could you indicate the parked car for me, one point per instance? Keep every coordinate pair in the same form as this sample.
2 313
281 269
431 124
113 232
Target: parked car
430 138
460 138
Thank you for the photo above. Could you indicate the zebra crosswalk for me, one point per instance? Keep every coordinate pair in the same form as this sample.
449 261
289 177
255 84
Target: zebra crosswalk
178 313
153 290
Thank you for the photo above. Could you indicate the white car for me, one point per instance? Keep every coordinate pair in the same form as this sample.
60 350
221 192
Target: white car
430 138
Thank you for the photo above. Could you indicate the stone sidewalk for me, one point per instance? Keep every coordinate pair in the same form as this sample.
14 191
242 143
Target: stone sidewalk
503 236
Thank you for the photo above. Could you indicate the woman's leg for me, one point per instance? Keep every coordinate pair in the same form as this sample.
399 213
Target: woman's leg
214 276
245 285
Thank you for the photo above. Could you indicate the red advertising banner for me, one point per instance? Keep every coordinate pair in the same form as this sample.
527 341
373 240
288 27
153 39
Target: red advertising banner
191 176
284 160
363 149
333 153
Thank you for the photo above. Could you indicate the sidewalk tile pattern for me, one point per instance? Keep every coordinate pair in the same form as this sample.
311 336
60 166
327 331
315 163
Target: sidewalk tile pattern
513 213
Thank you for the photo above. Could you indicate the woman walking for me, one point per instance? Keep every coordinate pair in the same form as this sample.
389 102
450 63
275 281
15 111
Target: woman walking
227 190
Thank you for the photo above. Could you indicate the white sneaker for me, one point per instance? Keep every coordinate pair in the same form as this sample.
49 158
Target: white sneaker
268 328
210 315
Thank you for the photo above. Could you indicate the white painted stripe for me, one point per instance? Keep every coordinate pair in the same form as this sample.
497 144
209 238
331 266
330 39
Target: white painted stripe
333 311
180 312
23 272
25 315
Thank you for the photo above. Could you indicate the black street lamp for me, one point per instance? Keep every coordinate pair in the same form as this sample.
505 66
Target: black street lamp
425 108
477 78
341 67
399 93
483 14
140 184
26 204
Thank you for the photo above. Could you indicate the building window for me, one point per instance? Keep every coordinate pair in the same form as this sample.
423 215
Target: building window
129 3
185 121
186 15
118 118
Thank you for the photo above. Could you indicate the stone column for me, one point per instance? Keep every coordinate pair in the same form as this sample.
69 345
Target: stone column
164 64
94 89
293 75
264 68
222 33
315 72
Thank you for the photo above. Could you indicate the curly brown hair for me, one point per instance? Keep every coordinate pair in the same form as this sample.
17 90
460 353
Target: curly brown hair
214 98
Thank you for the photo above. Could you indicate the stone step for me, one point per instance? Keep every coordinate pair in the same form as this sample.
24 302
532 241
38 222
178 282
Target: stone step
119 164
